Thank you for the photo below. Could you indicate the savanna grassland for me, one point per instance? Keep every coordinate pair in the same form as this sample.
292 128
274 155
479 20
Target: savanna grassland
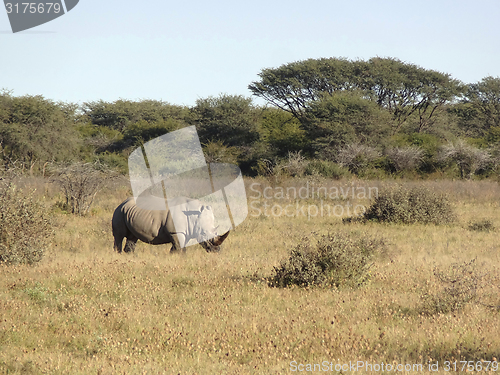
85 309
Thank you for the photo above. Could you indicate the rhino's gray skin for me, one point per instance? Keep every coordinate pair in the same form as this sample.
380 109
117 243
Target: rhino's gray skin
156 227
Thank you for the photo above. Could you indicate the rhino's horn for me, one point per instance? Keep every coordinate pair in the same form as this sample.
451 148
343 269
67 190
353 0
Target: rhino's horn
220 239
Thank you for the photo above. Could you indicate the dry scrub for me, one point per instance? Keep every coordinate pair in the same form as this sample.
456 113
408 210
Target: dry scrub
332 260
410 206
25 226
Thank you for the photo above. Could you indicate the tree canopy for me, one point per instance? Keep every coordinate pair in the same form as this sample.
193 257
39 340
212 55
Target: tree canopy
401 88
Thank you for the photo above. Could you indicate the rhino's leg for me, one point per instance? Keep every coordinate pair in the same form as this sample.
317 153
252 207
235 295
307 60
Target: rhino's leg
178 243
118 235
130 245
118 244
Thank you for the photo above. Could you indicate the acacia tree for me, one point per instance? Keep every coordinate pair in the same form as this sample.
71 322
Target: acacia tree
401 88
485 95
479 111
407 89
292 87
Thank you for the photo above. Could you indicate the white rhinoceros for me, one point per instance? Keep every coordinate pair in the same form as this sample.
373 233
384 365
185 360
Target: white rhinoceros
157 226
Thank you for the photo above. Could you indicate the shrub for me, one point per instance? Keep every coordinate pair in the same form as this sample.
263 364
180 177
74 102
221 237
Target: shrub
405 158
25 228
296 164
80 183
408 206
458 286
481 226
270 168
468 159
356 157
338 260
327 169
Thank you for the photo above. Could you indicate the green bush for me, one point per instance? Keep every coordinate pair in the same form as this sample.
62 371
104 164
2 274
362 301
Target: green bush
25 228
409 206
281 131
143 131
115 161
327 169
218 152
333 260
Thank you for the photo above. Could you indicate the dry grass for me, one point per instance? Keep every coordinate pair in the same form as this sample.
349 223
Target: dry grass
86 310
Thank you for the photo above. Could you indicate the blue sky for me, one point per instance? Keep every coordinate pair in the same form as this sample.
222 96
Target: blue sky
181 51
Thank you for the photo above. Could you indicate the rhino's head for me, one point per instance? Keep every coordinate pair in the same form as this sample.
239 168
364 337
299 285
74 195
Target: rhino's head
206 232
